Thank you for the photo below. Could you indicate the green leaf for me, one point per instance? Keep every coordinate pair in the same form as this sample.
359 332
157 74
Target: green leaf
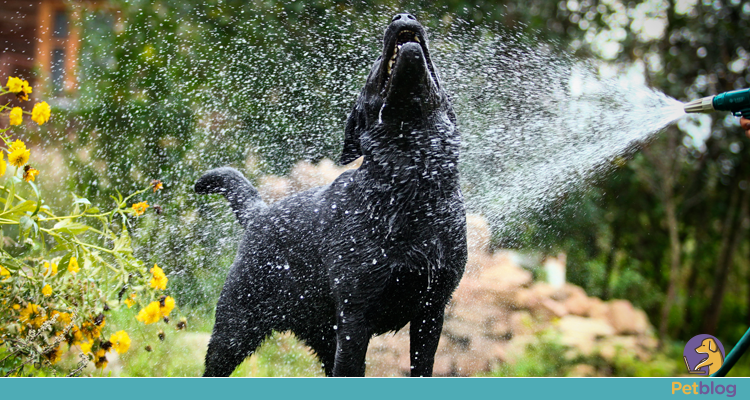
81 200
23 208
11 196
122 243
60 247
70 227
25 224
38 198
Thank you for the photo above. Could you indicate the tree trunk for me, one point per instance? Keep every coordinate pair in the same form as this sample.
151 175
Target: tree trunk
611 259
674 268
736 229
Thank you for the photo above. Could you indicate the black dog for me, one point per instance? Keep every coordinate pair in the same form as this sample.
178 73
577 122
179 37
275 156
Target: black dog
381 246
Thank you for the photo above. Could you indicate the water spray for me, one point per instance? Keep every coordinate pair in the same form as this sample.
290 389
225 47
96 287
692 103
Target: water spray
737 102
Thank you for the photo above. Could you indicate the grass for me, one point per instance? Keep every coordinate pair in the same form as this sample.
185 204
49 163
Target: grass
181 353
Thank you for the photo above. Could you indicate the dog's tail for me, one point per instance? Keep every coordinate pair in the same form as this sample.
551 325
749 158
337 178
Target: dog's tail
242 196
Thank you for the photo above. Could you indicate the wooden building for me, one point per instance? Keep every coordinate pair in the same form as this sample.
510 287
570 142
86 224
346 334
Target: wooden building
39 43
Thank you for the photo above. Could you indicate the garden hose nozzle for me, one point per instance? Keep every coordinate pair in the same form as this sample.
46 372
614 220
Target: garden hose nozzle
737 102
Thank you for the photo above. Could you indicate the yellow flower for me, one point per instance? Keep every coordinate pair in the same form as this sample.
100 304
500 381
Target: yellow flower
54 355
2 164
140 208
150 314
130 301
29 174
73 265
53 271
166 305
100 360
41 112
33 315
90 331
17 144
120 341
16 306
18 155
157 185
25 90
15 85
159 281
47 290
86 347
16 116
4 273
62 317
75 336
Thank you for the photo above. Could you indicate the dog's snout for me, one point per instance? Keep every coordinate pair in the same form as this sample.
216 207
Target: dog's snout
404 16
404 21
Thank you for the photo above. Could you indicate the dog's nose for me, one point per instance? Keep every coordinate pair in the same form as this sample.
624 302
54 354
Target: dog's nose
404 16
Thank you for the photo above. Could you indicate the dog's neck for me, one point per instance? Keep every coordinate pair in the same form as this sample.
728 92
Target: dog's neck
411 162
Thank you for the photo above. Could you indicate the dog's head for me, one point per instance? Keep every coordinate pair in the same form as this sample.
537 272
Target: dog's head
707 346
403 91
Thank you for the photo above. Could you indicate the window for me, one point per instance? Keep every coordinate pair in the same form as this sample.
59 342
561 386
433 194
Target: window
57 70
60 24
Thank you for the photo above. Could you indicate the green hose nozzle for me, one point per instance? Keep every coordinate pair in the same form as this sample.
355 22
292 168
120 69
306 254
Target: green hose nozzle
737 102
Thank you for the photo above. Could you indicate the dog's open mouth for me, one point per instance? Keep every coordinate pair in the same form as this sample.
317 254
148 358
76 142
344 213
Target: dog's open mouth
405 36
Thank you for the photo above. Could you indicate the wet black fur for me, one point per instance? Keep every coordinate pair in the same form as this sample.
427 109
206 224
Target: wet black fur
381 246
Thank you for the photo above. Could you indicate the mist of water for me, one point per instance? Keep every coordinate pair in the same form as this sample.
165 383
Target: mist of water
536 122
539 124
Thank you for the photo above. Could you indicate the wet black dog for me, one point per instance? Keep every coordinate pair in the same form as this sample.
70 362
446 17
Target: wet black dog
381 246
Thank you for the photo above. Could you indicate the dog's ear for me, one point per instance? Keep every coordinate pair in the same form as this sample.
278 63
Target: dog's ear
712 345
354 125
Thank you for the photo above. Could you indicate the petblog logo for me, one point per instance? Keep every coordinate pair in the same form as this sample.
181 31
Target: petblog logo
699 387
703 355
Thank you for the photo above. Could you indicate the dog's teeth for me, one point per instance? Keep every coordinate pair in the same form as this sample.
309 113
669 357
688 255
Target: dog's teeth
417 39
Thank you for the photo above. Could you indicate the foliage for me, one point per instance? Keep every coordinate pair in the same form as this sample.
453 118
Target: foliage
60 273
545 355
193 85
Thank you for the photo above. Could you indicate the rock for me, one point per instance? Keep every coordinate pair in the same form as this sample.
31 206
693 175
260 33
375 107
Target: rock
495 282
522 323
477 233
274 188
502 274
443 365
582 370
611 346
539 300
582 333
385 353
499 328
577 303
306 175
554 308
626 319
598 309
470 364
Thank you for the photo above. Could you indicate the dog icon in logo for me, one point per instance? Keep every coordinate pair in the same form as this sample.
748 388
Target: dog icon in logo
705 353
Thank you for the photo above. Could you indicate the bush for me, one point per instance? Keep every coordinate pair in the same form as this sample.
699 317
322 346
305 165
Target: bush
60 274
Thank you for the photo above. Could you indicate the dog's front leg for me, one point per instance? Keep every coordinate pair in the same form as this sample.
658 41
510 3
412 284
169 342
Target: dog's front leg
424 335
352 338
